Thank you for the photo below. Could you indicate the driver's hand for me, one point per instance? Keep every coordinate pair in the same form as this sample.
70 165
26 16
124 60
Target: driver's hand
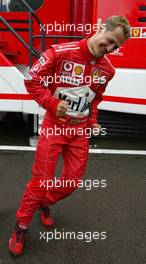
62 107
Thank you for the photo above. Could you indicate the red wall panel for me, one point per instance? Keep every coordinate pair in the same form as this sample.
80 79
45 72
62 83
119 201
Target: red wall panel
48 13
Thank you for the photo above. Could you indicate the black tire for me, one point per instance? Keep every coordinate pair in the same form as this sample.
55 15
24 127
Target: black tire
18 6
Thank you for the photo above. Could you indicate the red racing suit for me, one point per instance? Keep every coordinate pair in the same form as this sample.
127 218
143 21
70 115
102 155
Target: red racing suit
71 73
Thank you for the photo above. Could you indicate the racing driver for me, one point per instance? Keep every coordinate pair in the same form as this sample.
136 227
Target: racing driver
67 104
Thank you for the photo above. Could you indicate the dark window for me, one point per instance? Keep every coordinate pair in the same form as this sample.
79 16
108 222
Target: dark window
18 6
142 19
142 8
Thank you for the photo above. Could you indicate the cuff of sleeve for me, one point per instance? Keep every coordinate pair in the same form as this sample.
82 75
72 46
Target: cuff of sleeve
52 107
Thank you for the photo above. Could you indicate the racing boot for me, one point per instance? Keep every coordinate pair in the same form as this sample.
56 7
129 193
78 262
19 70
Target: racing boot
16 242
46 219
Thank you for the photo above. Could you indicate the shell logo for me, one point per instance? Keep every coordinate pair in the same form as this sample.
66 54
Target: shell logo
78 70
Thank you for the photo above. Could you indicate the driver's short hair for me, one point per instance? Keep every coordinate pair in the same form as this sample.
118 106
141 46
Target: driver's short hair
118 21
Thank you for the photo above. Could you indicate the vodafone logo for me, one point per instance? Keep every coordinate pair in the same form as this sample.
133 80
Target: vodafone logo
68 67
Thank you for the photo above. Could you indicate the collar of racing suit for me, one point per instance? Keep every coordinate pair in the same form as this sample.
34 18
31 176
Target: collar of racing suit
86 52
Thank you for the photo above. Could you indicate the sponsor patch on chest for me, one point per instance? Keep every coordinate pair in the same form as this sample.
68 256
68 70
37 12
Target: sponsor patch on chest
99 76
78 99
72 69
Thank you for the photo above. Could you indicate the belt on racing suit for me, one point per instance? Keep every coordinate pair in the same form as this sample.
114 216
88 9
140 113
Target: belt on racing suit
71 121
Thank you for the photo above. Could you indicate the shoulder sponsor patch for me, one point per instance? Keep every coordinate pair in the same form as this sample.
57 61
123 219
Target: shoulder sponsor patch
42 61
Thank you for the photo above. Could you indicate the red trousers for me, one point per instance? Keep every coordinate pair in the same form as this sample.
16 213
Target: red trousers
74 149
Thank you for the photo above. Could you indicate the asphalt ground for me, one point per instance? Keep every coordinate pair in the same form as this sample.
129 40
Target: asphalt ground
118 210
